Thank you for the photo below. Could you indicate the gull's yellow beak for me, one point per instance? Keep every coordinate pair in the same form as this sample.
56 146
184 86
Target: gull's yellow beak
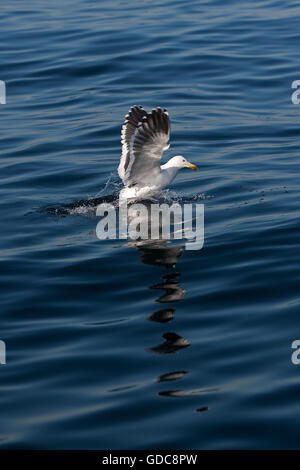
192 166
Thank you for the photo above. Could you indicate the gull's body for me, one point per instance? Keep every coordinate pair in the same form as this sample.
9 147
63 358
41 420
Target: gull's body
145 136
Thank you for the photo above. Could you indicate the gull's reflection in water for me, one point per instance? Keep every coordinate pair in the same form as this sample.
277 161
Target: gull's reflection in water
173 342
166 253
163 316
163 253
173 291
172 376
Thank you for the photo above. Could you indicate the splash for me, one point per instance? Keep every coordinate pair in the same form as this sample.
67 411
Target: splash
110 194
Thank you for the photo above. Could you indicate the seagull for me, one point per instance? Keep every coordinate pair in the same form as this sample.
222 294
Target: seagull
145 136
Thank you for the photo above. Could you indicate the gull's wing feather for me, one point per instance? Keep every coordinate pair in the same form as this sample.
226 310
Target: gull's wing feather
145 136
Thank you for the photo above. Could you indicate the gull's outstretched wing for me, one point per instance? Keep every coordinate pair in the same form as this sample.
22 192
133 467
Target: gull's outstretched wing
144 138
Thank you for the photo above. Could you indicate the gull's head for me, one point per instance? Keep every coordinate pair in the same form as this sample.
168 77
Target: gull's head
180 162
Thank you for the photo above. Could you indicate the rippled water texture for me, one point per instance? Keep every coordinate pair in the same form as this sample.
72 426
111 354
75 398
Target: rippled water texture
116 345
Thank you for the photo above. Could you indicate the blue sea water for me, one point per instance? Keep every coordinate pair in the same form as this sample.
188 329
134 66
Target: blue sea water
114 346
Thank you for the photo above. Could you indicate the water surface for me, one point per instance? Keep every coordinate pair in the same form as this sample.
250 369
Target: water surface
117 346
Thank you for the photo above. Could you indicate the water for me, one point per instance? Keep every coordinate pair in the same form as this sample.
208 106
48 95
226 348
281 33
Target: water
117 346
